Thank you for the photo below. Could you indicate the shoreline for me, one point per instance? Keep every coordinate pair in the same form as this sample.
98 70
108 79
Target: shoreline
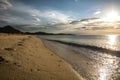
73 69
25 57
86 70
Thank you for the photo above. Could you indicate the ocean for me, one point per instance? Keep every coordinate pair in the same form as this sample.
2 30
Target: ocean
94 57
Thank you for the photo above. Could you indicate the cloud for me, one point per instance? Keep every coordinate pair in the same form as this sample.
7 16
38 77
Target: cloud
5 4
50 15
27 18
76 0
24 14
97 12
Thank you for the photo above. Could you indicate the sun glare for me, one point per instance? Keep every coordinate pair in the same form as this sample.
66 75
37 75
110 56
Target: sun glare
112 41
111 16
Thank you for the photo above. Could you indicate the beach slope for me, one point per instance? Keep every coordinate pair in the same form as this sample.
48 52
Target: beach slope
24 57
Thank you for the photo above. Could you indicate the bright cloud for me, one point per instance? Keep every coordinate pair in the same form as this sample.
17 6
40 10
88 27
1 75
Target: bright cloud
56 15
50 15
97 12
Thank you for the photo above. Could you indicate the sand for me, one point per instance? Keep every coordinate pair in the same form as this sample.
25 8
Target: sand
25 57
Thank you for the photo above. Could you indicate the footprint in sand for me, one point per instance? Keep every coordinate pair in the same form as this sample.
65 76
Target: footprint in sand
59 60
1 59
16 64
51 54
38 69
9 49
20 44
31 70
23 40
29 36
59 65
6 61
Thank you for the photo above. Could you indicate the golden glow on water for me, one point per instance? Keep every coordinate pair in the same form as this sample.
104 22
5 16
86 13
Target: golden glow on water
103 73
109 62
107 68
112 41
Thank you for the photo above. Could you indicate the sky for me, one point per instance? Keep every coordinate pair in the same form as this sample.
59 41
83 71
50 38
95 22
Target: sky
44 12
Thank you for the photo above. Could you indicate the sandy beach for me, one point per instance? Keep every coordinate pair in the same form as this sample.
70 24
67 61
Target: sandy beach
25 57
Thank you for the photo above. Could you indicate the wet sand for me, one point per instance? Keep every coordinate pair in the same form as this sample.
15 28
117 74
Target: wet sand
25 57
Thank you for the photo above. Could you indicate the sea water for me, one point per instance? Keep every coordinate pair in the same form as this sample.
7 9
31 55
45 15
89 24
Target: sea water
94 57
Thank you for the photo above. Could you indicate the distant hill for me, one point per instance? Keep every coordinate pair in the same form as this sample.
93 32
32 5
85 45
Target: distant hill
38 33
44 33
9 29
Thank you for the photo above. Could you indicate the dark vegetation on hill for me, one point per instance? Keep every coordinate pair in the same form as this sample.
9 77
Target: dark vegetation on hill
11 30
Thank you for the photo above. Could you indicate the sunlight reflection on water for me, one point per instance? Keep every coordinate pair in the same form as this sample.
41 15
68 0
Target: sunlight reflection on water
107 68
112 39
109 63
103 73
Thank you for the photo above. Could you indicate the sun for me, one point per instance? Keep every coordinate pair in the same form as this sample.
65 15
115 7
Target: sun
111 16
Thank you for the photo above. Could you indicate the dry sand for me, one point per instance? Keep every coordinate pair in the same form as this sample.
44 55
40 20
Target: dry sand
24 57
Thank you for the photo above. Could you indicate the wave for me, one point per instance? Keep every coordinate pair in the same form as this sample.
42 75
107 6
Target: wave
94 48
